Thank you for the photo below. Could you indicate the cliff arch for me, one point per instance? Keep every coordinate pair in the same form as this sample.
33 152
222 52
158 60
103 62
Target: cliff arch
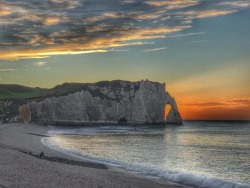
173 116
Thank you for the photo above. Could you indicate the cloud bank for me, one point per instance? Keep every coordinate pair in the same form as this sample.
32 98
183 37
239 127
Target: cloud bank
40 29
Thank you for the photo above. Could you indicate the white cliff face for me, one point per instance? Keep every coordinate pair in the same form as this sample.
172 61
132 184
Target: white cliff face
136 102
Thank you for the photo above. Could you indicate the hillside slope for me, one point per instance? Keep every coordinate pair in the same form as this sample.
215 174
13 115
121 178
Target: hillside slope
13 91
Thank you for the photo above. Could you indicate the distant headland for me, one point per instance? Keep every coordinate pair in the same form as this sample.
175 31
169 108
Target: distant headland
110 102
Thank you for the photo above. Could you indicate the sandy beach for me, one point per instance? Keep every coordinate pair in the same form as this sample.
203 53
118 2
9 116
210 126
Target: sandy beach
21 165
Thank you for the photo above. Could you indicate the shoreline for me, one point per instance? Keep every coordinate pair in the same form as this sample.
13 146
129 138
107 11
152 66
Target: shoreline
20 146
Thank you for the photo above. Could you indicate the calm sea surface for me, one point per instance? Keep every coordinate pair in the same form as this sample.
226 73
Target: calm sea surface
200 153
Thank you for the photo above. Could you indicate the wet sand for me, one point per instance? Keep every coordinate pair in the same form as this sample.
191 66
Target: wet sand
22 166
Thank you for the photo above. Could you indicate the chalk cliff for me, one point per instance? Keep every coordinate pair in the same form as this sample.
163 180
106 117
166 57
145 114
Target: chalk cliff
107 101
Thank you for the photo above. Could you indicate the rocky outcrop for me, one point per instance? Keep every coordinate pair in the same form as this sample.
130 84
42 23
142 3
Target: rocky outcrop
114 101
25 113
9 110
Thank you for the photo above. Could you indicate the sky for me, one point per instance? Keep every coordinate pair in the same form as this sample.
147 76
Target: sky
199 48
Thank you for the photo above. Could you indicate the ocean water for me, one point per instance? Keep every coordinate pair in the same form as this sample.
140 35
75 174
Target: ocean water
200 153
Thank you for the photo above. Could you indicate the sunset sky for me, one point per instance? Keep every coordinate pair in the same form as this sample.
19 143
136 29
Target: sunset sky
199 48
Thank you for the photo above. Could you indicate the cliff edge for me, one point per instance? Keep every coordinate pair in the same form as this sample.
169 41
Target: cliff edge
104 102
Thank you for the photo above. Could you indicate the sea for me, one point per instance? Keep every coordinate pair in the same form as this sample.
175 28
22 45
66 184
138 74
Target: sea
197 154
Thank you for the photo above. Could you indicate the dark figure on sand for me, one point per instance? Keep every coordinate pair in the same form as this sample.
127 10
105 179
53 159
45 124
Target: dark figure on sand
41 154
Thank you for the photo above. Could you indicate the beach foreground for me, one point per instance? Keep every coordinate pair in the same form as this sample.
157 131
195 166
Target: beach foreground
21 166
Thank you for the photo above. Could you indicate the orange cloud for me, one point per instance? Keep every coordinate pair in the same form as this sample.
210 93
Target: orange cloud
36 39
204 104
92 46
209 13
4 11
232 103
148 16
236 4
238 102
51 21
110 15
176 4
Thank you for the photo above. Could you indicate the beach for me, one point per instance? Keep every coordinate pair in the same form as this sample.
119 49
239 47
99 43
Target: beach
22 166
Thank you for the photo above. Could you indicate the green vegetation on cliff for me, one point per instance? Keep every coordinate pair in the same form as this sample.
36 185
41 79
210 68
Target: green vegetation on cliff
13 91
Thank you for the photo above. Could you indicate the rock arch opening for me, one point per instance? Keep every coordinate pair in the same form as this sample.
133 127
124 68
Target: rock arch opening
172 115
167 109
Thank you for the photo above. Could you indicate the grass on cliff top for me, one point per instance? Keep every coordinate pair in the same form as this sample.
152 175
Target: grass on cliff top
19 92
13 91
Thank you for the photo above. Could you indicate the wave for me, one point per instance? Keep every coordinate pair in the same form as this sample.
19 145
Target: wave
169 175
105 130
